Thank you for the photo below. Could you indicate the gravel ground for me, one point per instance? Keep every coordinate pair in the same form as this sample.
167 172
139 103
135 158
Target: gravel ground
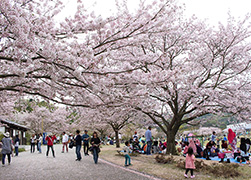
29 166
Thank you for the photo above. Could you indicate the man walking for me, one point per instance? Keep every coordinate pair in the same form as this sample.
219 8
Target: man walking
85 139
65 139
78 141
148 136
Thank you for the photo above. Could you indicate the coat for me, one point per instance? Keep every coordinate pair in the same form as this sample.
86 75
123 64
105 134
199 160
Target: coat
190 162
6 148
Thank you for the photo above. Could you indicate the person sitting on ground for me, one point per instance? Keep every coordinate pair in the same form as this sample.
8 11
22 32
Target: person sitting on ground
135 145
223 144
247 144
207 151
155 147
244 156
199 151
185 148
214 150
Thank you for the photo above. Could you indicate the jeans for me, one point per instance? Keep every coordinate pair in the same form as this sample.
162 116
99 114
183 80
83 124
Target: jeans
48 148
16 150
3 158
65 144
127 158
149 147
39 147
86 147
95 155
32 147
78 148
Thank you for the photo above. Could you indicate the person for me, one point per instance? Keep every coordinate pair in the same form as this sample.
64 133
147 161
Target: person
78 141
6 148
85 139
232 139
40 139
155 147
50 139
223 144
120 138
244 155
207 151
126 152
33 142
135 136
95 142
213 137
185 148
225 138
16 142
65 140
192 145
190 162
148 135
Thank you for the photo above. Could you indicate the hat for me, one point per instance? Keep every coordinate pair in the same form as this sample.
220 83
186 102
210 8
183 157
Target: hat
7 134
86 131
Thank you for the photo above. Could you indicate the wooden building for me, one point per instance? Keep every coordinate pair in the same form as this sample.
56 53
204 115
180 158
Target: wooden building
14 129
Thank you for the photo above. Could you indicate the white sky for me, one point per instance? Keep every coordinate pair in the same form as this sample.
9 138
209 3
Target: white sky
212 10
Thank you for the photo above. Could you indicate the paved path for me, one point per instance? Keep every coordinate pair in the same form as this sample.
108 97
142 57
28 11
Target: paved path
34 166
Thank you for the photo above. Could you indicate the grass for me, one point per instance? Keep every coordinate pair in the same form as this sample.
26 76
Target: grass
147 164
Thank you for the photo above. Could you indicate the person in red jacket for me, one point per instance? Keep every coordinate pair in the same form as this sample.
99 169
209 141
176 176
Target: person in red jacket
50 140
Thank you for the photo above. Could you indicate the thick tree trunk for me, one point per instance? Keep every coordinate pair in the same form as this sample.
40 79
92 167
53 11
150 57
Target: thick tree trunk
117 138
171 149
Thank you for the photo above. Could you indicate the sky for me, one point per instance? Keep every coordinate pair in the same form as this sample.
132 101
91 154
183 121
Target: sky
212 10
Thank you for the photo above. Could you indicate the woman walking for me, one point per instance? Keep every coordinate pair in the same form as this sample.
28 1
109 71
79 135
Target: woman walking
6 148
95 142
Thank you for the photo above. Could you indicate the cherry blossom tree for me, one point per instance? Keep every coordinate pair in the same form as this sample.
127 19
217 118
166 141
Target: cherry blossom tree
201 71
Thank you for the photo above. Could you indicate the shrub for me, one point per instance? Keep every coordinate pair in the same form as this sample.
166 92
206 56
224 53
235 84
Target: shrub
160 158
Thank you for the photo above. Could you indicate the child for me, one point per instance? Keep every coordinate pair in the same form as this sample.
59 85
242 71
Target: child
126 152
190 162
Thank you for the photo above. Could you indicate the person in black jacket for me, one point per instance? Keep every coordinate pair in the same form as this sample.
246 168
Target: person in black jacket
78 141
95 142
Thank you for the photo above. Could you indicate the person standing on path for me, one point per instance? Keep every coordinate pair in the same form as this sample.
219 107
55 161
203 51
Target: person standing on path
6 148
40 138
85 139
95 142
33 142
148 136
16 142
50 140
65 139
78 141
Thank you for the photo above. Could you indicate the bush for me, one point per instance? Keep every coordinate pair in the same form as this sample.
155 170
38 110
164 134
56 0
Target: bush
225 170
160 158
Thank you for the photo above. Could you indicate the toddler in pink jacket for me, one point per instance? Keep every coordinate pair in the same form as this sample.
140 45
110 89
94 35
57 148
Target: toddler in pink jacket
190 158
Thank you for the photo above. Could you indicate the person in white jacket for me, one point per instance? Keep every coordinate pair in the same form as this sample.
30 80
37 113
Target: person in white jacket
65 139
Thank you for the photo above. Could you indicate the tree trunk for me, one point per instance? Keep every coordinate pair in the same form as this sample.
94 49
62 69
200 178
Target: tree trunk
171 149
117 138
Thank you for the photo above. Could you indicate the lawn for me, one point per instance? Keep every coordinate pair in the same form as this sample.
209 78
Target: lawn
147 164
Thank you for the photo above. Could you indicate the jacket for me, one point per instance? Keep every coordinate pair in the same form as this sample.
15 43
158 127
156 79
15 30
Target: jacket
190 162
50 140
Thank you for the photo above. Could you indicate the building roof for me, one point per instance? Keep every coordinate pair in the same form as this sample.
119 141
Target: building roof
13 125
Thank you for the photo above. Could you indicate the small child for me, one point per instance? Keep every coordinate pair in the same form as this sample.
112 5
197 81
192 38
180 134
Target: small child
190 162
126 152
